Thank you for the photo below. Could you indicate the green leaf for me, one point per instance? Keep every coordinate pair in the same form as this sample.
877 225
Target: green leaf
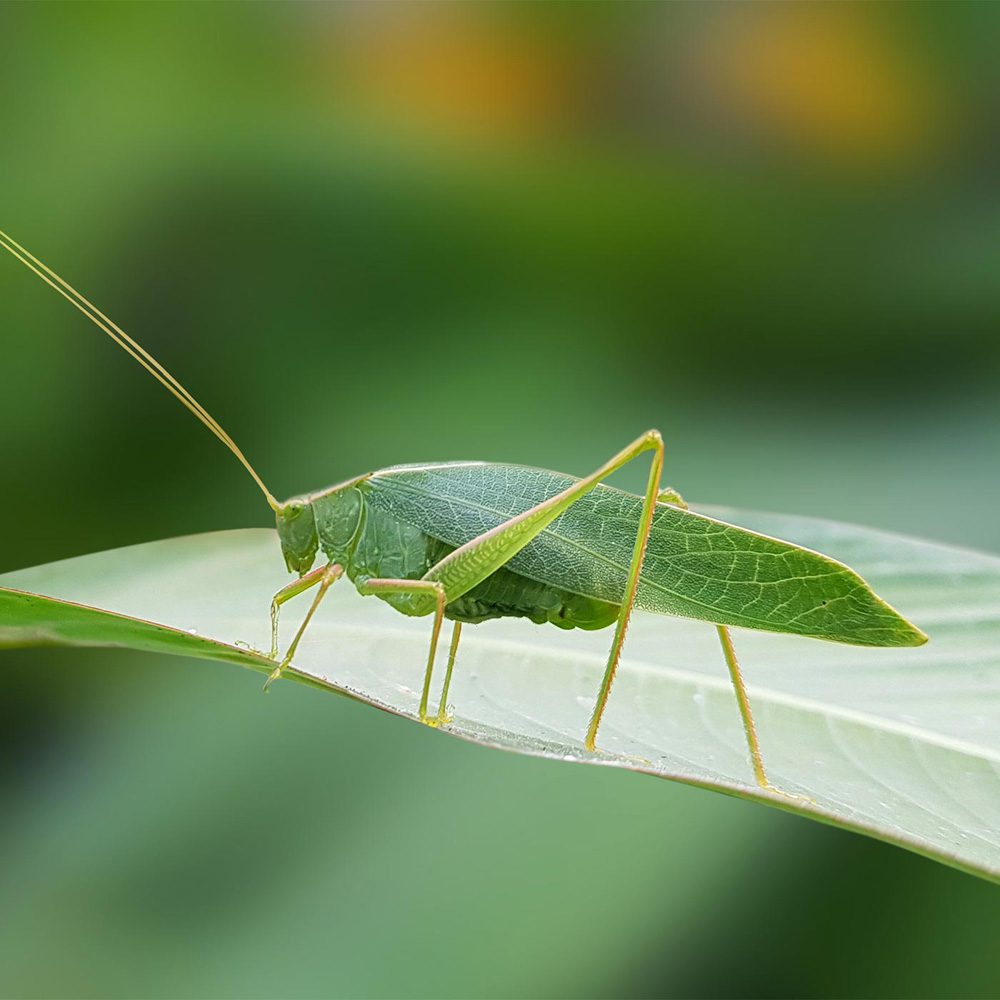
901 744
695 566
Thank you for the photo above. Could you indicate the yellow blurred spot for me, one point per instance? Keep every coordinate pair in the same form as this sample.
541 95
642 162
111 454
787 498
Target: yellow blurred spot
823 76
448 69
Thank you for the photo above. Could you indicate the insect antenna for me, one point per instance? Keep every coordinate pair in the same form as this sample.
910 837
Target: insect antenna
126 343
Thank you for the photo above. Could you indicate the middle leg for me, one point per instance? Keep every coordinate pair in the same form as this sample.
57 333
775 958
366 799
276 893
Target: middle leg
442 716
431 592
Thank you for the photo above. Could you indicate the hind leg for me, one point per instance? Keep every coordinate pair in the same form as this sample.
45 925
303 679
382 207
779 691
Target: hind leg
749 728
671 496
472 562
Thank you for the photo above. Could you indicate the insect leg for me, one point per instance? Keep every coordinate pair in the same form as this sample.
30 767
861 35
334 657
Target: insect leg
442 716
671 496
330 575
744 702
631 588
472 562
431 591
296 587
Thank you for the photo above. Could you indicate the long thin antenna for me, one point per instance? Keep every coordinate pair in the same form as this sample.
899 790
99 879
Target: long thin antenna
127 344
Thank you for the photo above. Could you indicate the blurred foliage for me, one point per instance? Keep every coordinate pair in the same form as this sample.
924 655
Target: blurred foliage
364 234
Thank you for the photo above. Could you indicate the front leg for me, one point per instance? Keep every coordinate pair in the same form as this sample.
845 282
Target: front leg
293 589
329 575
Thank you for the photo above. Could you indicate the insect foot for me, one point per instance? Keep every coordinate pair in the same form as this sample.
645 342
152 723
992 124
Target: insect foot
435 721
275 674
790 796
643 763
250 648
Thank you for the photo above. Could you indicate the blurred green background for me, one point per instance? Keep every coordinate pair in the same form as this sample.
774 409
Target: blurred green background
365 234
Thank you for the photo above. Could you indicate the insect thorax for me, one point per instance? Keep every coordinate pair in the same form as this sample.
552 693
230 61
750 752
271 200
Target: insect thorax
329 521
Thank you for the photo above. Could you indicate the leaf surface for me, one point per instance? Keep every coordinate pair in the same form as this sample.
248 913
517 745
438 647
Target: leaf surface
901 744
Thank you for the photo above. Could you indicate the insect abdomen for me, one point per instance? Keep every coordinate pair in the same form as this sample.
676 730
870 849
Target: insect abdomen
386 547
506 594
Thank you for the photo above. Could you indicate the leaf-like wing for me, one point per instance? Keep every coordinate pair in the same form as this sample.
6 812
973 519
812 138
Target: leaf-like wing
695 566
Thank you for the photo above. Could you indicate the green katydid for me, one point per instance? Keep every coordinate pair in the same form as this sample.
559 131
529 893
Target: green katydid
471 541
